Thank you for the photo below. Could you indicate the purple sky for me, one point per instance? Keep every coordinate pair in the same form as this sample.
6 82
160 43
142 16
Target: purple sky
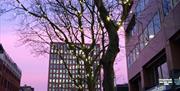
35 69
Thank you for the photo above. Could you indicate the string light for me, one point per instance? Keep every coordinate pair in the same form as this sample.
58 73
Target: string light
126 1
80 29
131 12
87 75
118 23
80 86
108 18
80 1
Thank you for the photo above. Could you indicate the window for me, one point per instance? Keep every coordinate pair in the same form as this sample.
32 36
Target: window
175 2
146 37
54 61
163 71
151 30
166 7
137 50
134 55
52 51
141 41
50 75
156 20
134 31
146 2
131 58
56 80
141 6
50 80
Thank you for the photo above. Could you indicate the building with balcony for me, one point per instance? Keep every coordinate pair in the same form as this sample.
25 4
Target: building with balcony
10 74
58 76
153 45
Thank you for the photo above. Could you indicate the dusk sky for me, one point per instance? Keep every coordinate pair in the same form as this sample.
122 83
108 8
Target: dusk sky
35 69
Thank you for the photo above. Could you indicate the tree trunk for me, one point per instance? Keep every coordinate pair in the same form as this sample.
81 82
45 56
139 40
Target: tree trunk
108 62
91 86
108 82
113 47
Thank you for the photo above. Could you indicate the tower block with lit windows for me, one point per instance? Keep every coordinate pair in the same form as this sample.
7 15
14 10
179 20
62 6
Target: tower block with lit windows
58 77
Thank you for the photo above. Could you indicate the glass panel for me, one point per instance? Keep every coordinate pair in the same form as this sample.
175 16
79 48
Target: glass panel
137 50
175 2
141 2
151 30
156 20
146 37
141 41
160 72
138 10
146 2
165 72
166 6
131 59
134 31
134 55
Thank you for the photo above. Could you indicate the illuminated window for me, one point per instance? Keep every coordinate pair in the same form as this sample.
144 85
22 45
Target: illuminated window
50 75
137 48
151 30
56 80
50 80
52 50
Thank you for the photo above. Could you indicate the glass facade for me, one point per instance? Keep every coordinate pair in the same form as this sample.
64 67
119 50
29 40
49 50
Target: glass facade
153 27
59 79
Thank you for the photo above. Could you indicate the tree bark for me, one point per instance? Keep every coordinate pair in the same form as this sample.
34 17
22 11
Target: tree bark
108 61
112 50
91 86
108 82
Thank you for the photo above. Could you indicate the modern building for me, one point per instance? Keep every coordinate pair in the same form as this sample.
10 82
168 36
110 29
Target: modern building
58 77
26 88
10 74
153 45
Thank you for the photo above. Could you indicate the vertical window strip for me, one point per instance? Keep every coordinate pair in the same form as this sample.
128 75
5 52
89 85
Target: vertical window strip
141 6
166 7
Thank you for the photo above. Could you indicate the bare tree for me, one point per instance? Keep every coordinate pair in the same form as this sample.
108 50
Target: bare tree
75 22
